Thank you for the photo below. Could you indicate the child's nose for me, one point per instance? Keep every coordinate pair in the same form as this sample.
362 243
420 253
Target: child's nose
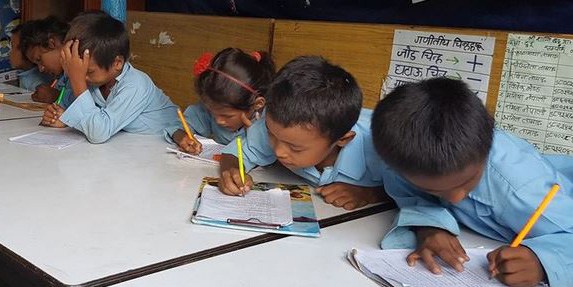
220 121
280 151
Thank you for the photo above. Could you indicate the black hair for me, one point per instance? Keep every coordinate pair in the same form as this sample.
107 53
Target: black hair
104 36
432 127
218 88
39 32
310 90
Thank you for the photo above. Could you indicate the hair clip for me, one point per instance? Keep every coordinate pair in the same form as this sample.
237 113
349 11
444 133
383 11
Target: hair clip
202 63
256 55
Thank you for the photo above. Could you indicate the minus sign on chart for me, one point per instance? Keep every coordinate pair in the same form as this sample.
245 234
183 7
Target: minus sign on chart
474 79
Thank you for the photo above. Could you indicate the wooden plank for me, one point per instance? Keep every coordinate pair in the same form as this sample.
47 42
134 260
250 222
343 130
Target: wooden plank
170 65
365 50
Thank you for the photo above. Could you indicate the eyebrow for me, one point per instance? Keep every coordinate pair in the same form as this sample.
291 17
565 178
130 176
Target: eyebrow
291 144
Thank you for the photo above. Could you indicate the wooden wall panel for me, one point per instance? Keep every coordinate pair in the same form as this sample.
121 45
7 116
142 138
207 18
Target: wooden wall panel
170 65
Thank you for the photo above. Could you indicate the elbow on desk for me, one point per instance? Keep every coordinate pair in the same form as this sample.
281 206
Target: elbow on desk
97 138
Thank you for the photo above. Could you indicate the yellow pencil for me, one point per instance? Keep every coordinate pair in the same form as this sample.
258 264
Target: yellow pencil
240 151
185 126
535 216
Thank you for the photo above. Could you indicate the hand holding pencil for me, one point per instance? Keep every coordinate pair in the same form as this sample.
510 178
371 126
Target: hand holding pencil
185 139
517 265
234 180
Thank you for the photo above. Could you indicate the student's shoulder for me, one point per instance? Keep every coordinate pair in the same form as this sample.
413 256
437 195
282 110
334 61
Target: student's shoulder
132 77
516 161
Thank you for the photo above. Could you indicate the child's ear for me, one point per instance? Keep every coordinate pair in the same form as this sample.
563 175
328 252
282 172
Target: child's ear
259 103
52 43
346 138
118 63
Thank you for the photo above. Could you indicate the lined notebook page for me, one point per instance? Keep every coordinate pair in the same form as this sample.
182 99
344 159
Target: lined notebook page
272 206
51 138
391 265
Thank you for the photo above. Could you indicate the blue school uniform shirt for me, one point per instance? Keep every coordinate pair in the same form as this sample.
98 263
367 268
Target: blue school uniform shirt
32 78
202 122
134 105
68 96
356 164
515 180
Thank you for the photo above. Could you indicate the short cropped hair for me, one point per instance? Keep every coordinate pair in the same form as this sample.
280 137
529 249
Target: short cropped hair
254 72
38 32
104 37
310 90
432 127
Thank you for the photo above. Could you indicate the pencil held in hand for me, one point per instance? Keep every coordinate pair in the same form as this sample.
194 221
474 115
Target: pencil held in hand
185 126
535 216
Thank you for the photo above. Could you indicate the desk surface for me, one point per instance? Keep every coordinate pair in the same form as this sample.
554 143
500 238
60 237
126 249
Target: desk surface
10 113
91 211
293 261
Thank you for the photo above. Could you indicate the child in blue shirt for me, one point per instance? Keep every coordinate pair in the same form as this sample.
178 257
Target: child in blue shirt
111 95
231 87
30 77
314 126
40 41
456 168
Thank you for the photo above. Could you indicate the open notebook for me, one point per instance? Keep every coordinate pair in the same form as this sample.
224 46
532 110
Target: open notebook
268 207
389 268
211 150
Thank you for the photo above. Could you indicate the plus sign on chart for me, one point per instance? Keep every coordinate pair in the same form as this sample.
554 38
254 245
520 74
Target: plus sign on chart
474 63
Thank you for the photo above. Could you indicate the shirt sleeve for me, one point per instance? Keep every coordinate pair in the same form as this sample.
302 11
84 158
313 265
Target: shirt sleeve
257 150
552 235
199 120
100 124
416 209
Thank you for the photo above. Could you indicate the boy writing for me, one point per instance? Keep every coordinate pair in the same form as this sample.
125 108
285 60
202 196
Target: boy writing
30 78
456 168
314 126
111 95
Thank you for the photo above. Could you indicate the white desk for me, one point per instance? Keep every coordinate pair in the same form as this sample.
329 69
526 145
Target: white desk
292 261
9 113
91 211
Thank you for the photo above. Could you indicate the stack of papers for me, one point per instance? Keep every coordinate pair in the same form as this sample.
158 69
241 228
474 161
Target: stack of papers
269 207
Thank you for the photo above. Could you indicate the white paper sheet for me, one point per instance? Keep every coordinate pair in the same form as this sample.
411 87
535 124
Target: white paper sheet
51 138
391 265
210 149
272 206
418 55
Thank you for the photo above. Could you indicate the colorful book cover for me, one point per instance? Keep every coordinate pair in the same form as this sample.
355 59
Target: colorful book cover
305 222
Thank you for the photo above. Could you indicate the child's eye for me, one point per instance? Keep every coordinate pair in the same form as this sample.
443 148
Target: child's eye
296 149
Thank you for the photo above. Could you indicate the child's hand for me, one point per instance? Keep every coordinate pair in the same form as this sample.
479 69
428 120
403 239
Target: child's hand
52 115
350 196
230 182
437 242
187 144
45 94
74 66
516 266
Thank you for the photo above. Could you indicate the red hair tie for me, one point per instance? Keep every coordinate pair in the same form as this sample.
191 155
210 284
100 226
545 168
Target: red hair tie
256 55
202 63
